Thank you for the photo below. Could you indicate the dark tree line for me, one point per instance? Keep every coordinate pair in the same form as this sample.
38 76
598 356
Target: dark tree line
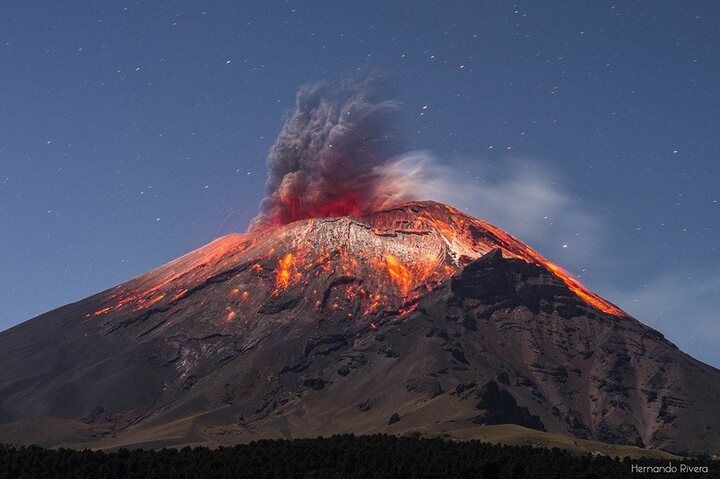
347 456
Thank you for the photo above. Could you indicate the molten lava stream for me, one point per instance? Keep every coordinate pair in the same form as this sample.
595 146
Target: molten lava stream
588 296
399 274
285 270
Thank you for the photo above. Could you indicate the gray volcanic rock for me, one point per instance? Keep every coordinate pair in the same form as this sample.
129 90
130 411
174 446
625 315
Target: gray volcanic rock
418 313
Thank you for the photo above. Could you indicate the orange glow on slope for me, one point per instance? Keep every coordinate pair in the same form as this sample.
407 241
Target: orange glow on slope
588 296
179 294
177 278
424 271
406 249
286 267
519 250
400 275
154 300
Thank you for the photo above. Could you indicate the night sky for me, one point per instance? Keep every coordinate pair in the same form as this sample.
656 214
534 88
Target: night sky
134 132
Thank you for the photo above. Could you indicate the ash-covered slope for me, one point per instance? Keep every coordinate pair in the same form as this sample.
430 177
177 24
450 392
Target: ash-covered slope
396 322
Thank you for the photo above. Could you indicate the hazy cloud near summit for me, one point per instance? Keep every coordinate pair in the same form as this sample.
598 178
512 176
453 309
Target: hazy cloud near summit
525 199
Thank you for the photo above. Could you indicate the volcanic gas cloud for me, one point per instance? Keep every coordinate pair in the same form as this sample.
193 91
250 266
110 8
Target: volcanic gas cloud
330 157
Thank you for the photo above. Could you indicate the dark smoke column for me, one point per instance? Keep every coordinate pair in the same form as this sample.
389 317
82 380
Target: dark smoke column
327 160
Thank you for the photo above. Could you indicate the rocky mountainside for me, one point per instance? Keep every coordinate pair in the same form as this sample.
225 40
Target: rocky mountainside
417 318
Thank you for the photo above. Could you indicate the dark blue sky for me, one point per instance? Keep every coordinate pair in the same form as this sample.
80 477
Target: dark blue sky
133 132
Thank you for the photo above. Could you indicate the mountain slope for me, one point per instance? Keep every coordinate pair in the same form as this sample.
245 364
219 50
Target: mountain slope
416 318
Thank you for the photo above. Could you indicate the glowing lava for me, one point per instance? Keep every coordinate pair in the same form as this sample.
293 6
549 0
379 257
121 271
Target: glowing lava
399 274
373 266
291 208
285 271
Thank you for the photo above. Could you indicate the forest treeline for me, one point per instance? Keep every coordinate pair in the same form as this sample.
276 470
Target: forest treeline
346 456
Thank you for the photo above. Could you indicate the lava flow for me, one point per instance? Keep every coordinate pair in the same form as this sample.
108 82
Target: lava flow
399 273
377 265
285 271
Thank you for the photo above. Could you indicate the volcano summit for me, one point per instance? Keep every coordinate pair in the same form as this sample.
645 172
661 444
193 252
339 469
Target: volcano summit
412 318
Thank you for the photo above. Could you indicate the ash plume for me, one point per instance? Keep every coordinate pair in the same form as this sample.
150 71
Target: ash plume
330 157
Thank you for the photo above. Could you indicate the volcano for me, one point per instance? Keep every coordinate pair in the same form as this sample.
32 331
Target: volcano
415 318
